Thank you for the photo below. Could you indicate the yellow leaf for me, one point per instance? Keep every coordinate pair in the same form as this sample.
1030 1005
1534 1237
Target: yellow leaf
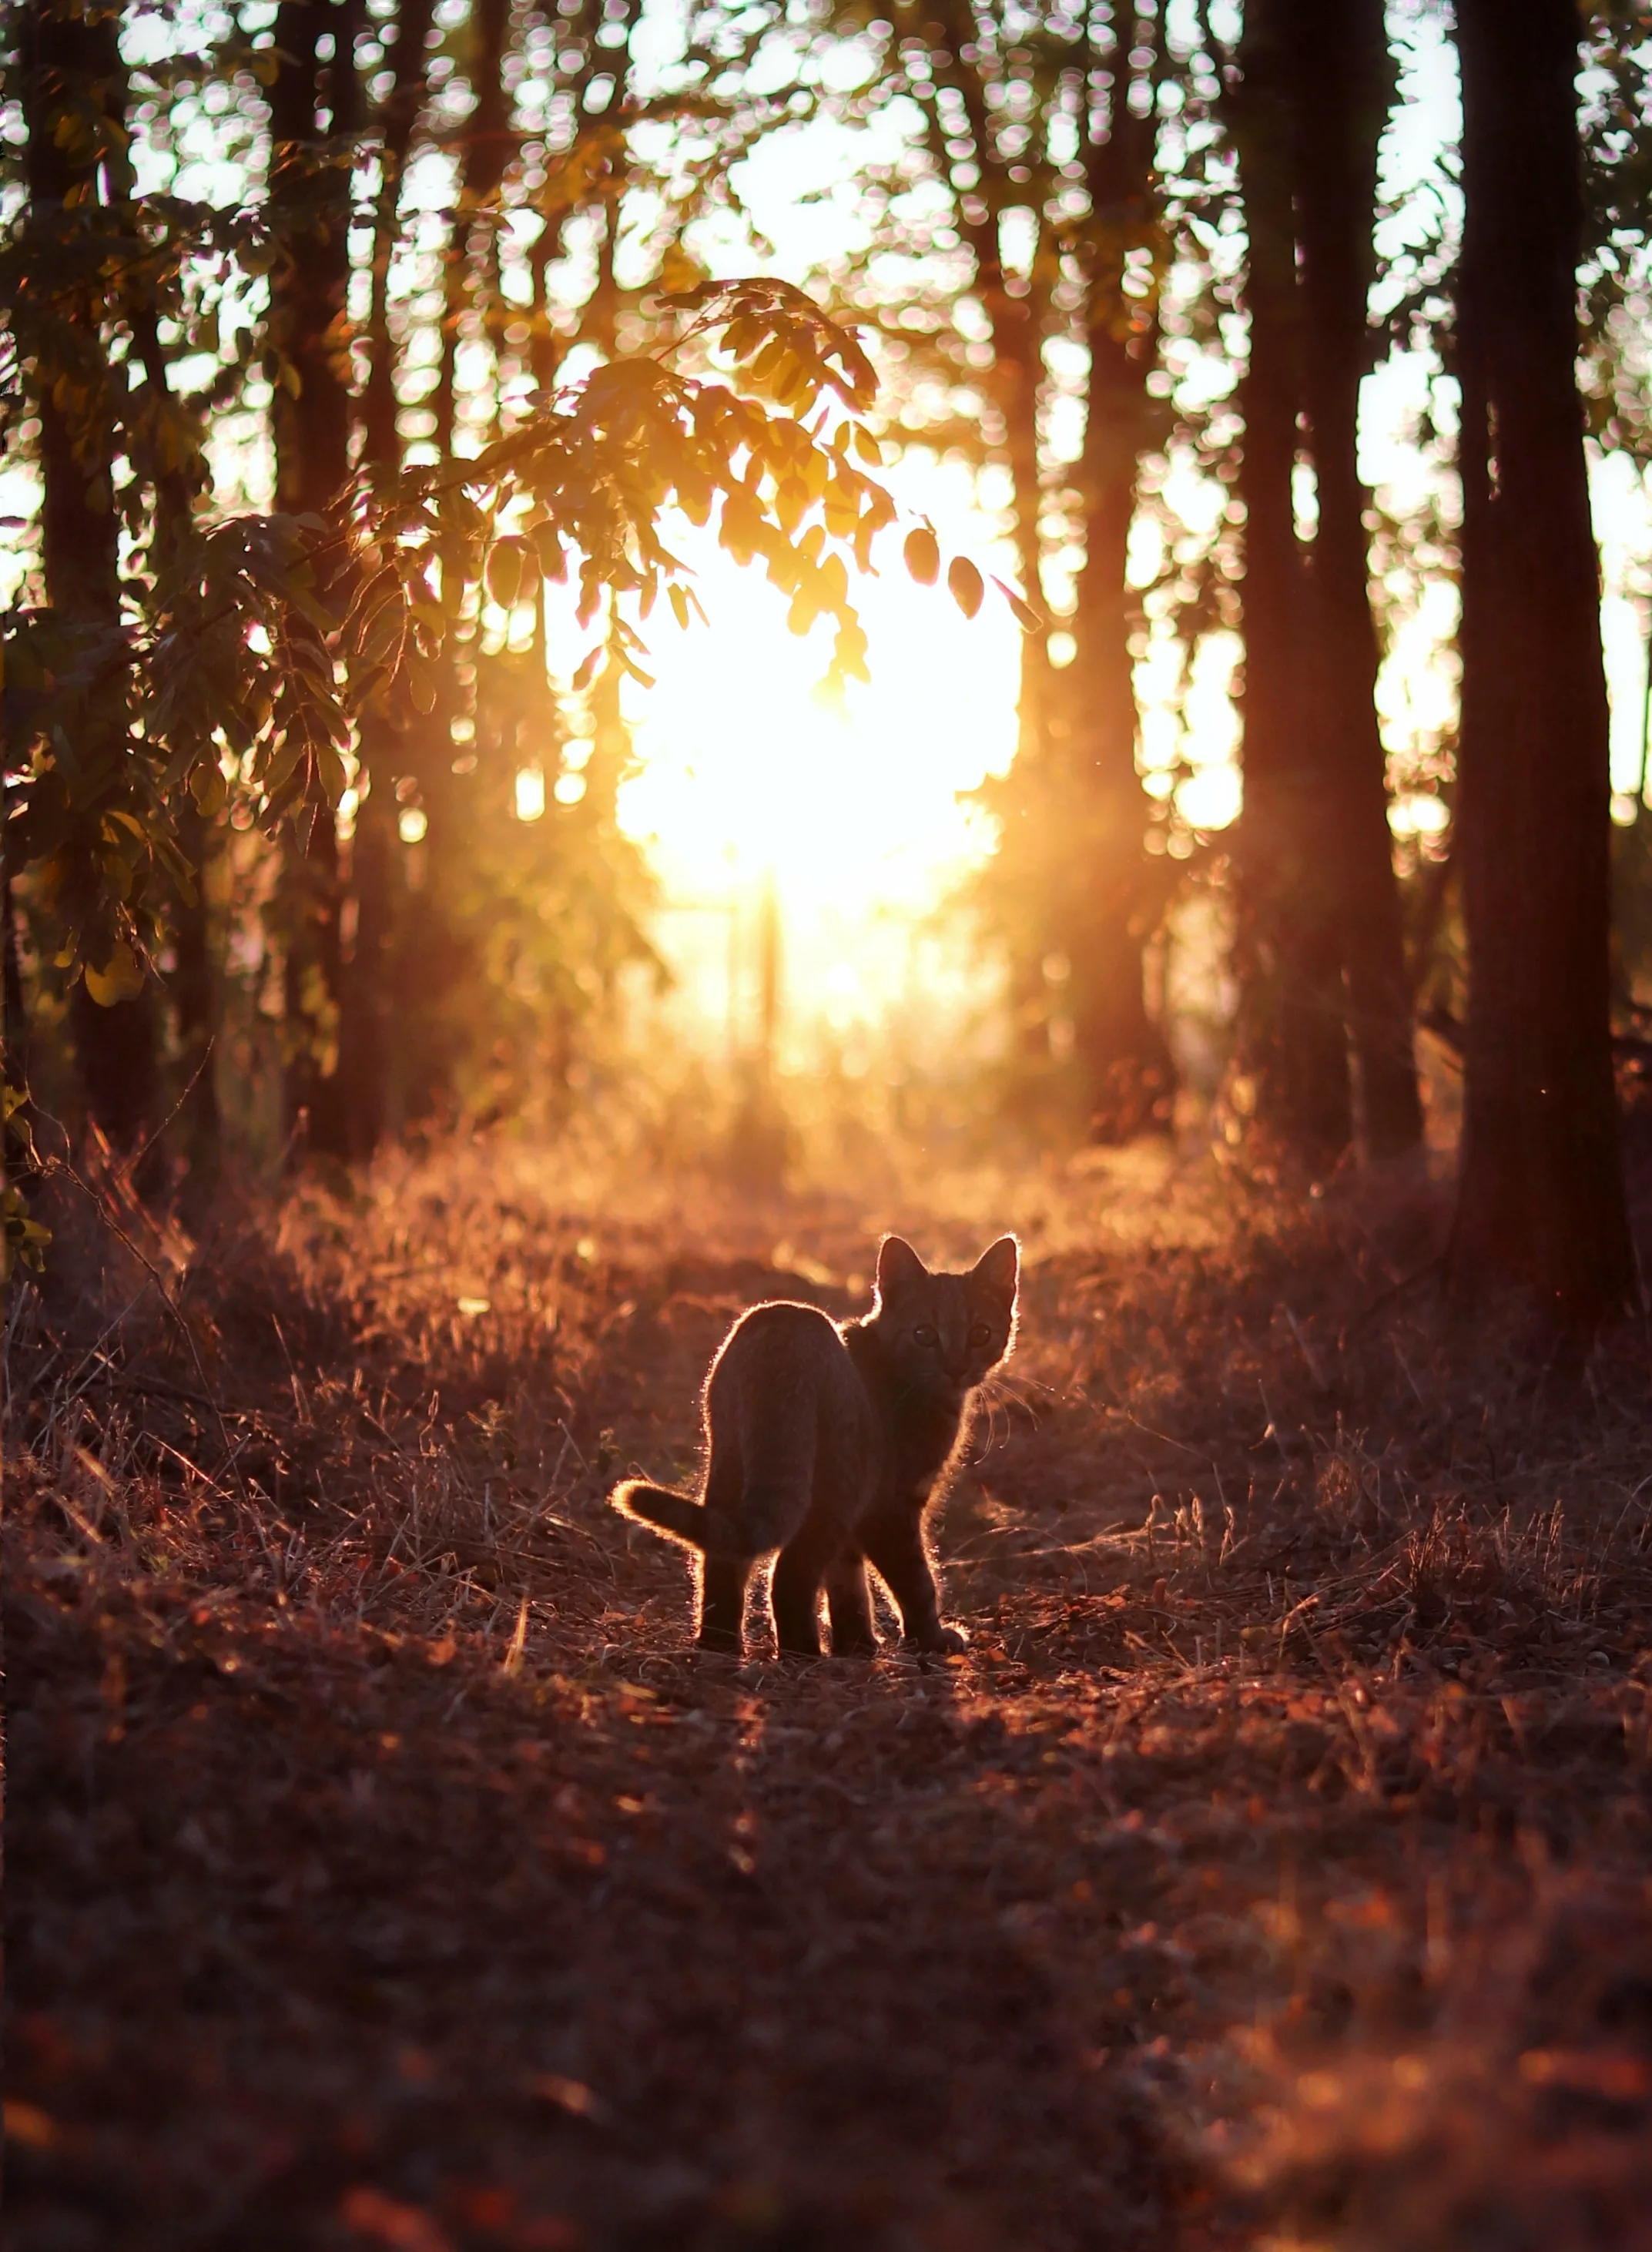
922 555
505 570
678 271
120 979
208 788
963 582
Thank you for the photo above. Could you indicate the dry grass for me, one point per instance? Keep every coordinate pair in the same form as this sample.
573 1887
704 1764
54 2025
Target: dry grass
386 1870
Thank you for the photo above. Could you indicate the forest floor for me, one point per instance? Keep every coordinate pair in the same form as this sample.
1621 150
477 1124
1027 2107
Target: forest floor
387 1870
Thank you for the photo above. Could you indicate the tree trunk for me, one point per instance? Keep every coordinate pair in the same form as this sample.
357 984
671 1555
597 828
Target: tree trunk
1540 1193
312 457
65 59
1290 954
486 145
1345 87
195 999
1127 1064
175 475
427 960
381 445
365 1019
1117 894
1017 348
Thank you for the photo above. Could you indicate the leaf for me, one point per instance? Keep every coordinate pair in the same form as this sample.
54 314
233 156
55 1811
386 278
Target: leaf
509 566
208 788
922 555
964 584
120 979
868 448
1025 613
681 276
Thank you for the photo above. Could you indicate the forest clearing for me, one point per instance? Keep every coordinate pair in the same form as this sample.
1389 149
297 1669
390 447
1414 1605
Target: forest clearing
394 1872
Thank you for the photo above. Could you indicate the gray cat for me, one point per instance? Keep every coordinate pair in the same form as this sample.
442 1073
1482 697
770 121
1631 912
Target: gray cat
829 1442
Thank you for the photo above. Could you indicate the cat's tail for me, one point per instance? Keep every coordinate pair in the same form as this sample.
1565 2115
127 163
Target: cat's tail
678 1516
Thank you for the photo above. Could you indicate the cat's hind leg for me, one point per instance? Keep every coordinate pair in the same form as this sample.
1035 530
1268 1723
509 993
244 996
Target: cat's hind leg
722 1603
726 1564
849 1604
795 1591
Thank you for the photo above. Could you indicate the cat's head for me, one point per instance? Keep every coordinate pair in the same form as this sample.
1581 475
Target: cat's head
942 1333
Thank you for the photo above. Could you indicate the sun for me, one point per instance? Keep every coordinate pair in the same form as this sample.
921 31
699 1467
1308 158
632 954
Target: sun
741 765
856 822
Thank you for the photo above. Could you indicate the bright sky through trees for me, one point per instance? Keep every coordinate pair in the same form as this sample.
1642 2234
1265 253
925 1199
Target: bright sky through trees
859 821
856 820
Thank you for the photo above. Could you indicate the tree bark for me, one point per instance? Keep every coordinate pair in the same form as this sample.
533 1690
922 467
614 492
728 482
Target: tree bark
1345 87
1540 1193
1130 1076
65 59
1117 893
366 1024
1291 1033
1016 374
486 147
312 429
195 1000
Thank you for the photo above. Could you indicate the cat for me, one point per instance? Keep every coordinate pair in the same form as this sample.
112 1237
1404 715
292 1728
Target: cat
829 1442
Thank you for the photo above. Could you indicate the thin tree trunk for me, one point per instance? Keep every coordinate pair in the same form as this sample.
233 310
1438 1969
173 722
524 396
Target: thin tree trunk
312 452
366 1021
1290 954
381 445
1540 1193
429 960
1345 87
486 151
1016 374
175 477
1127 1064
195 1000
67 59
1092 717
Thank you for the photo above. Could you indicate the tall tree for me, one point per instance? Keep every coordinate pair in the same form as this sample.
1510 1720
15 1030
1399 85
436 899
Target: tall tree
1292 1037
74 92
314 114
1345 81
1322 958
1042 128
1110 894
1540 1194
366 1030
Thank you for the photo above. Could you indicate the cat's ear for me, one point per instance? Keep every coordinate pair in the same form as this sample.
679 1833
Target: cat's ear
998 1268
899 1268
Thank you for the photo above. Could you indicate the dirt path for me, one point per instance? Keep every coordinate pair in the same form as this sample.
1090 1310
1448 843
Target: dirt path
386 1870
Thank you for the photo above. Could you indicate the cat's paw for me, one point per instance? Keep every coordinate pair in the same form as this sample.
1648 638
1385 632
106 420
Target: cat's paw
942 1640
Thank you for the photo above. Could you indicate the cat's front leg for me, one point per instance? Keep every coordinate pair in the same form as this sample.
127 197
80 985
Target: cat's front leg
893 1541
849 1604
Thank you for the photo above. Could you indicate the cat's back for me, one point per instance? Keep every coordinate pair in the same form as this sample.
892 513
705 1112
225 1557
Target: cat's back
782 1336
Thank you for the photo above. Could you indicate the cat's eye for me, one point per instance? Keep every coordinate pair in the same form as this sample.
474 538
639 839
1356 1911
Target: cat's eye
924 1334
980 1334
